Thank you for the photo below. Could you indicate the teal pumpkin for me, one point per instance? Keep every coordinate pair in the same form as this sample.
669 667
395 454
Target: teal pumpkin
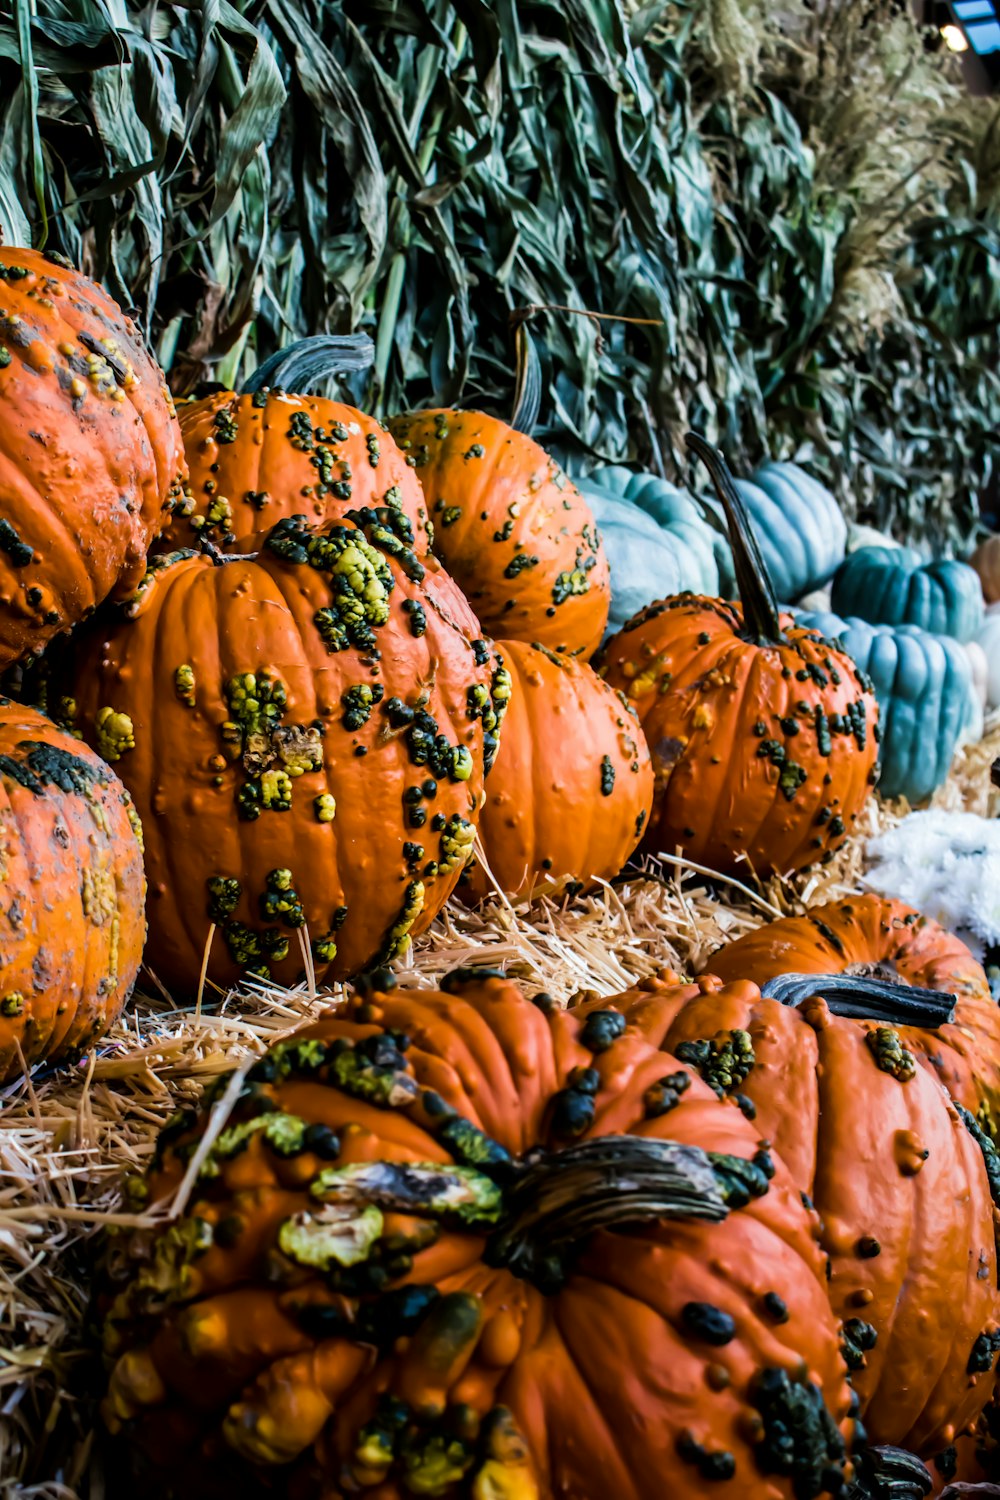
927 699
798 525
894 586
656 539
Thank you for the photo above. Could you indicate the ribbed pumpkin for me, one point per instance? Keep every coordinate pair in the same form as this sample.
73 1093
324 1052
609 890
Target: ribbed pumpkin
449 1244
872 935
257 459
91 461
71 892
898 1178
925 692
511 529
656 539
763 735
304 735
986 561
894 586
572 785
798 525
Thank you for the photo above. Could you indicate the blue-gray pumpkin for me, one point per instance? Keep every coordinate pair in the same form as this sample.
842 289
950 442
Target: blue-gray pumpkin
656 540
894 586
927 699
799 527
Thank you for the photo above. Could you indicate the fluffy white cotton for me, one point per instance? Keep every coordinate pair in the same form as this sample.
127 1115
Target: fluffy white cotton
948 866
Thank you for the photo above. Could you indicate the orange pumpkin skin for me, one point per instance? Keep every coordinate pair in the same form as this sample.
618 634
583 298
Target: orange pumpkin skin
72 892
572 784
283 783
638 1370
986 561
92 456
256 459
511 529
868 933
898 1181
763 751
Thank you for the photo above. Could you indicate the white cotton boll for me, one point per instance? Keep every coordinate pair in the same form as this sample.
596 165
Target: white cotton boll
948 866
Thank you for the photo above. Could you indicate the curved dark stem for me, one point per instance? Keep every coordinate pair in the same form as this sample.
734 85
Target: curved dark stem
558 1198
309 362
760 606
528 387
862 998
889 1474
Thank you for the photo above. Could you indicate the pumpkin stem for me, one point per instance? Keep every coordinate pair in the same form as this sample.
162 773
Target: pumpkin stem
862 998
309 362
554 1200
760 606
884 1472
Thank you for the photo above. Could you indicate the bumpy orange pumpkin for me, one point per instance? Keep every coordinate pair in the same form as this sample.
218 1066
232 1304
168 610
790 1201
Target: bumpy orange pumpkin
763 735
874 935
92 458
898 1178
450 1244
572 784
305 736
257 459
511 529
71 892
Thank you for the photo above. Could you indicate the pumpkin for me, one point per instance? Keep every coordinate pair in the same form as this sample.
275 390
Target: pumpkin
894 586
92 458
572 784
655 539
304 734
798 525
986 562
762 734
266 455
451 1244
73 892
511 529
988 641
925 693
874 935
901 1181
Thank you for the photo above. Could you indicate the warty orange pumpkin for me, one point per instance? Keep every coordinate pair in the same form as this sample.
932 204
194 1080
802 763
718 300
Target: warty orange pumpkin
572 785
71 892
763 735
511 528
92 460
305 734
449 1244
875 935
902 1179
262 456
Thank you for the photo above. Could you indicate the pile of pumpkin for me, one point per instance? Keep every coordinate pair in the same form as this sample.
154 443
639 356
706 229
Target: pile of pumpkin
460 1242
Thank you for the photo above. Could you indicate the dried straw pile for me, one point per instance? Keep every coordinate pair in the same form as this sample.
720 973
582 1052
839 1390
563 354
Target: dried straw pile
65 1138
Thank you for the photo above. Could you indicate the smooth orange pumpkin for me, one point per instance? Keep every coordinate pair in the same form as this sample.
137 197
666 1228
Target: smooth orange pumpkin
257 459
898 1178
71 892
305 734
572 784
511 529
448 1244
874 935
763 735
91 460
